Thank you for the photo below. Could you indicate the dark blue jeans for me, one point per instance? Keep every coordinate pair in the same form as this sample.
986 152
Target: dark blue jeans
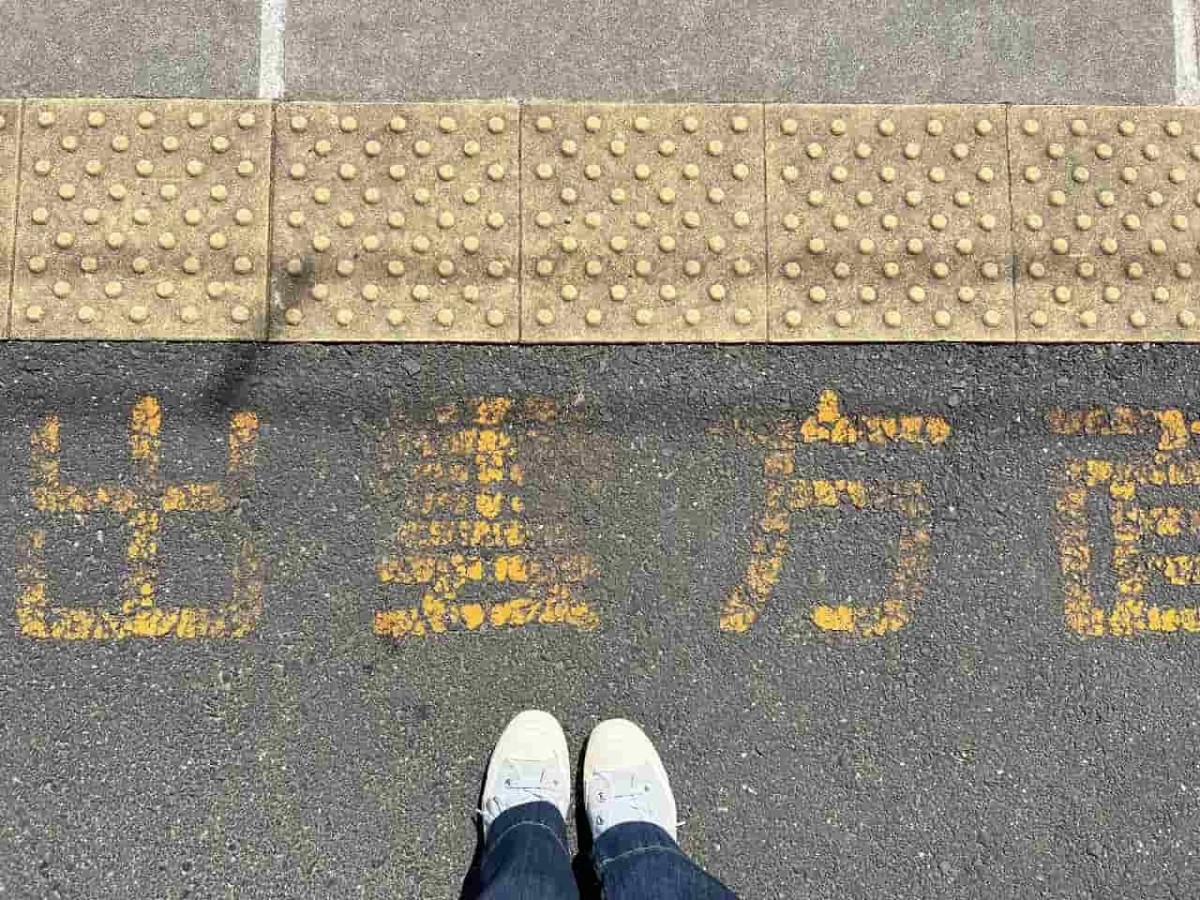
526 858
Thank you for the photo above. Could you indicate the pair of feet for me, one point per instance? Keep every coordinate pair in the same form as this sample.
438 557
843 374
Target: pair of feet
623 777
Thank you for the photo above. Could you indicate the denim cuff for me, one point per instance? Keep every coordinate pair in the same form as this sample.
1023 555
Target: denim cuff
629 838
538 814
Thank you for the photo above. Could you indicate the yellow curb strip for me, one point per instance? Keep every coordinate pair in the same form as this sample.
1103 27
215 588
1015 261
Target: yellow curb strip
597 222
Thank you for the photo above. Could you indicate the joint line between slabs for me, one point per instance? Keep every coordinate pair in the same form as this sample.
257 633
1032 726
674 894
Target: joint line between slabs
520 260
9 314
1187 63
1014 259
272 22
766 230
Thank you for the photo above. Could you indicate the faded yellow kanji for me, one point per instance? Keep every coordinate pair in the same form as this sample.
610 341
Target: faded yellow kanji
143 505
1131 522
785 494
467 529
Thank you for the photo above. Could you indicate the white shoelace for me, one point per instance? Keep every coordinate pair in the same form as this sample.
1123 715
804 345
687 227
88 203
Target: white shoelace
524 781
624 796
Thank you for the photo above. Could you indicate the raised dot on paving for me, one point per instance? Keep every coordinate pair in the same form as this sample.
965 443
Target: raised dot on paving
888 223
642 223
1106 213
395 222
10 125
143 220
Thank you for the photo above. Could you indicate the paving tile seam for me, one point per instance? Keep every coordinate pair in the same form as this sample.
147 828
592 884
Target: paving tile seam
597 222
8 234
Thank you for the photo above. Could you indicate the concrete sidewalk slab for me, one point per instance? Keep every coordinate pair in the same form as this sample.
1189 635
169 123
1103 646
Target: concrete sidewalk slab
143 219
181 48
889 223
1105 222
643 223
396 222
812 51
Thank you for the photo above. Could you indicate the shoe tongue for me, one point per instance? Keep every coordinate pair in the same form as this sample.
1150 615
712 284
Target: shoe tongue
634 779
527 773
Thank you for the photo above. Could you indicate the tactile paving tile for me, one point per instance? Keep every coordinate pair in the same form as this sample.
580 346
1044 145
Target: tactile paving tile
1106 213
396 222
143 219
10 124
888 223
643 223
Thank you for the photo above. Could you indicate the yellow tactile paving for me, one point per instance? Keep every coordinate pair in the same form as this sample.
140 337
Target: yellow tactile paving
142 219
888 223
396 222
1106 222
596 222
642 223
10 124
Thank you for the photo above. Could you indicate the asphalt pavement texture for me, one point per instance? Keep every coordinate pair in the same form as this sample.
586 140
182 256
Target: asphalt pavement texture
983 750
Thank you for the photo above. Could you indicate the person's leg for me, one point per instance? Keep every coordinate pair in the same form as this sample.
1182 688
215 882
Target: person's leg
525 800
640 861
525 856
632 814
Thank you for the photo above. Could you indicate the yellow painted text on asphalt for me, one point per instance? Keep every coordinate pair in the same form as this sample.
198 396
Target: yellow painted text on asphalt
785 494
143 505
465 543
1135 523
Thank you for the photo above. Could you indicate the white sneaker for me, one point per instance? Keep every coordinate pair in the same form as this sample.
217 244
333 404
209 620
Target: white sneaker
624 780
530 763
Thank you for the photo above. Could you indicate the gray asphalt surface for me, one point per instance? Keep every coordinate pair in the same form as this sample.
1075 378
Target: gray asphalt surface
983 751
